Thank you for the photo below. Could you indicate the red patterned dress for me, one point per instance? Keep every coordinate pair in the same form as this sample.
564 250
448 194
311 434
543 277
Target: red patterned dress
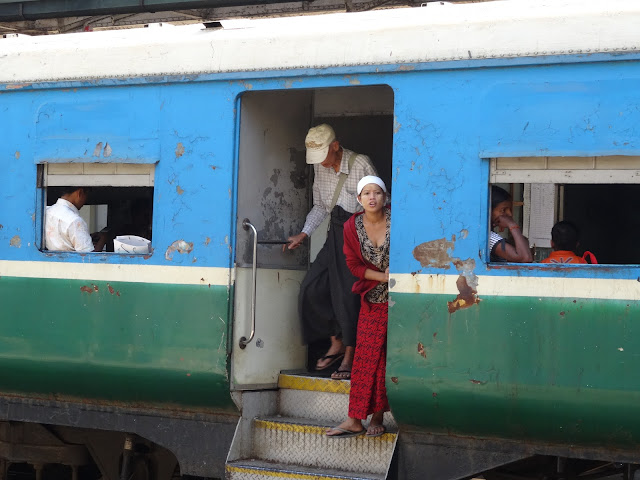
368 392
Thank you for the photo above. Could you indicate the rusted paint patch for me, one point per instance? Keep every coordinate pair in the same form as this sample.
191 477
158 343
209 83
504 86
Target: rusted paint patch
421 350
17 86
111 290
394 380
17 155
179 190
477 382
107 150
213 167
86 289
435 253
179 246
352 80
207 241
15 241
1 226
405 68
467 297
179 150
95 287
98 150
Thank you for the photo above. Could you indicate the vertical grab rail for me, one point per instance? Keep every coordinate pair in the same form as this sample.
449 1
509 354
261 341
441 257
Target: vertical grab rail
244 341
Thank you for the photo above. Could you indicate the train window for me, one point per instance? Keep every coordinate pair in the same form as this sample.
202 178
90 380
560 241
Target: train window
119 201
590 192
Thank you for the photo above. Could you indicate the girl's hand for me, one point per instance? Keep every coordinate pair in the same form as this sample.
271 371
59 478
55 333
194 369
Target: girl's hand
504 221
386 274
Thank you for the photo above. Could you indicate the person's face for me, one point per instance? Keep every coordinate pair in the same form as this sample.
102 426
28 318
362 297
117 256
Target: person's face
82 197
372 198
332 156
503 208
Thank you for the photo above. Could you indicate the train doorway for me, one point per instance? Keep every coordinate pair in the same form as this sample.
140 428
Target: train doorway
274 195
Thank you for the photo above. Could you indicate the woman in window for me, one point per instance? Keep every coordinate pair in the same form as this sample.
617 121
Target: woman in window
366 247
502 218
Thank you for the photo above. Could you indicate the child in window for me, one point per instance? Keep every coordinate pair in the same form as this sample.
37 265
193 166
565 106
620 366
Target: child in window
564 241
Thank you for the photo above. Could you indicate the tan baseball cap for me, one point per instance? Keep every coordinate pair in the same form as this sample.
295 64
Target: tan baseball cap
317 142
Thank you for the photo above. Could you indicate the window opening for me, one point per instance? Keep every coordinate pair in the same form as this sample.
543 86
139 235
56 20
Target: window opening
589 192
118 204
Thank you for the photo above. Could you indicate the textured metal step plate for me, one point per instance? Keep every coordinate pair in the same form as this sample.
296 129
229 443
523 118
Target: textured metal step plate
320 399
261 470
307 445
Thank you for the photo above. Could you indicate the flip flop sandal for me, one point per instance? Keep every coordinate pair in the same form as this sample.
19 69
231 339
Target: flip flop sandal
382 432
334 358
346 433
341 374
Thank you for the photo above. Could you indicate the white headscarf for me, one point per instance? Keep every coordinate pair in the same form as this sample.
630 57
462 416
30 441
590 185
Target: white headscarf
371 179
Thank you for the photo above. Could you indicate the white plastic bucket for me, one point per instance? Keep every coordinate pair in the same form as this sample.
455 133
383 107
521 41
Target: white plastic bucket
131 244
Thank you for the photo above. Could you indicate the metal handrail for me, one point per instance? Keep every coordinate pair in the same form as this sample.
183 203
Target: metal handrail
244 341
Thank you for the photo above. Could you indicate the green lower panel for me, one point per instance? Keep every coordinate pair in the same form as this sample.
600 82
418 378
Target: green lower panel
142 344
540 369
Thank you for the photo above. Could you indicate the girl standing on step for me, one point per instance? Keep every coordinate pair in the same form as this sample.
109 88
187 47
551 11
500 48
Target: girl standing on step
366 247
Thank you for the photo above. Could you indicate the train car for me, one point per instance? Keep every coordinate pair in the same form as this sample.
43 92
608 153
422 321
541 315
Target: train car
186 359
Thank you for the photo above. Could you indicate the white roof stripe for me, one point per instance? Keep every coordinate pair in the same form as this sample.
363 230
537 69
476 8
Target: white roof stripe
395 36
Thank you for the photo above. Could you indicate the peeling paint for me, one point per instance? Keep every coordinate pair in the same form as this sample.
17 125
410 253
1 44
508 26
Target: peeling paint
107 150
179 190
86 289
405 68
17 86
179 150
179 246
97 150
15 241
421 350
111 290
207 241
352 80
435 253
464 233
477 382
466 298
17 155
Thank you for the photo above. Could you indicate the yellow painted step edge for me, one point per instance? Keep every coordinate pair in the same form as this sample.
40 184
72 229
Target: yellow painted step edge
313 430
270 473
313 384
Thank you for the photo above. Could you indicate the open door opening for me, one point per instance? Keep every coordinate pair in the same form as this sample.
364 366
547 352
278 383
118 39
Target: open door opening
275 195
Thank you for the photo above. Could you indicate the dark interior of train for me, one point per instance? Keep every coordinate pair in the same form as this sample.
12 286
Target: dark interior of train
115 210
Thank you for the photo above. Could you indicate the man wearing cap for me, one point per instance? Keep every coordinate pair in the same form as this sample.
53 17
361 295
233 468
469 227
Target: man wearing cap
327 306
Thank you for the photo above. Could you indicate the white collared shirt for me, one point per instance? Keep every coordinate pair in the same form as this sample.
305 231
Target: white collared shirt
324 185
65 230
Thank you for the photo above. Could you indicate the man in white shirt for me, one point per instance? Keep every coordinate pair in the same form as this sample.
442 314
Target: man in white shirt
327 306
65 230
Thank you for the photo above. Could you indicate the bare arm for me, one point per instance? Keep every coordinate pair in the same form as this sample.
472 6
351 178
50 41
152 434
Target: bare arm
381 277
519 253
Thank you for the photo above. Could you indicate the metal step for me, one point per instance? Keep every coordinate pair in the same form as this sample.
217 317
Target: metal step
261 470
317 398
300 441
